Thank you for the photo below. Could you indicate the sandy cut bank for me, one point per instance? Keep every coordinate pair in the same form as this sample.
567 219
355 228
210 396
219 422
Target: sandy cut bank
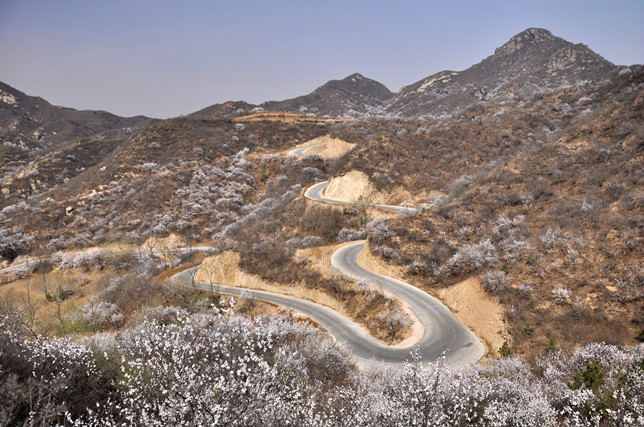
328 147
354 187
479 311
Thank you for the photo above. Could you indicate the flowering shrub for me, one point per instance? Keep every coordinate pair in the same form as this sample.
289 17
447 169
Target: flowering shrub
495 282
471 258
100 314
550 239
12 245
45 382
561 294
218 369
378 231
304 242
92 259
351 234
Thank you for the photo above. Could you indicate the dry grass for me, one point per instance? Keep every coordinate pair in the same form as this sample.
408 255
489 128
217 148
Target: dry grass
319 258
30 294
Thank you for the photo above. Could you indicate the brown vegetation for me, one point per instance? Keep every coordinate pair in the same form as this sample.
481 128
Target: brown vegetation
540 199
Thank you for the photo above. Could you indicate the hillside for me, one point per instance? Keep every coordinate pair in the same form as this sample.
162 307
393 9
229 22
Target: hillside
44 145
541 202
353 95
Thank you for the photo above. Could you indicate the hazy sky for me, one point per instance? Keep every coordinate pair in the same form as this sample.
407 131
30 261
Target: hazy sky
165 58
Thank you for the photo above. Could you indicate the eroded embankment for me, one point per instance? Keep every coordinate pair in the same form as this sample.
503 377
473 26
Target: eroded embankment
329 148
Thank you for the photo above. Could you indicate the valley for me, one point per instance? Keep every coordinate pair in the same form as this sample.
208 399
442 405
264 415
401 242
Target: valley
353 256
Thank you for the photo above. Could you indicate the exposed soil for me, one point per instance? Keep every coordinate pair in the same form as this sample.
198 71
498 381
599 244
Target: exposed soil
281 116
332 148
479 311
354 187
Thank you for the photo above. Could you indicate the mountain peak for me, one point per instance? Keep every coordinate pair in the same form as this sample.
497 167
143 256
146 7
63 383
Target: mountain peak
336 97
532 60
531 36
355 77
358 84
535 33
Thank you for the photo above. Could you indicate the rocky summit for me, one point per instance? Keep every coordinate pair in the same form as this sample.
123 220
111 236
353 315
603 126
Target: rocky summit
533 61
355 94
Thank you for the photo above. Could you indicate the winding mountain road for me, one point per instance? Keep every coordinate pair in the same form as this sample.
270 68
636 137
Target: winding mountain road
442 331
443 334
316 193
301 151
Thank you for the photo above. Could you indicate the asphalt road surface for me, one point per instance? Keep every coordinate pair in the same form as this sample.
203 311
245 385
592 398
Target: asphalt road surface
301 151
316 193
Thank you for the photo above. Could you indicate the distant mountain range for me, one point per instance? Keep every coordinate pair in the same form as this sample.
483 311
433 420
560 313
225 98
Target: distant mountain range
532 61
32 122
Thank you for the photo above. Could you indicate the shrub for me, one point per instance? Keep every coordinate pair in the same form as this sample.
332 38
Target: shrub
640 336
100 315
531 260
13 245
93 259
550 239
171 368
351 234
471 258
505 349
505 269
304 242
561 294
495 282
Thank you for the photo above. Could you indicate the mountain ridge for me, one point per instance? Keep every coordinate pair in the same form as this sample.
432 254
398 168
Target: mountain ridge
337 97
39 124
532 61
